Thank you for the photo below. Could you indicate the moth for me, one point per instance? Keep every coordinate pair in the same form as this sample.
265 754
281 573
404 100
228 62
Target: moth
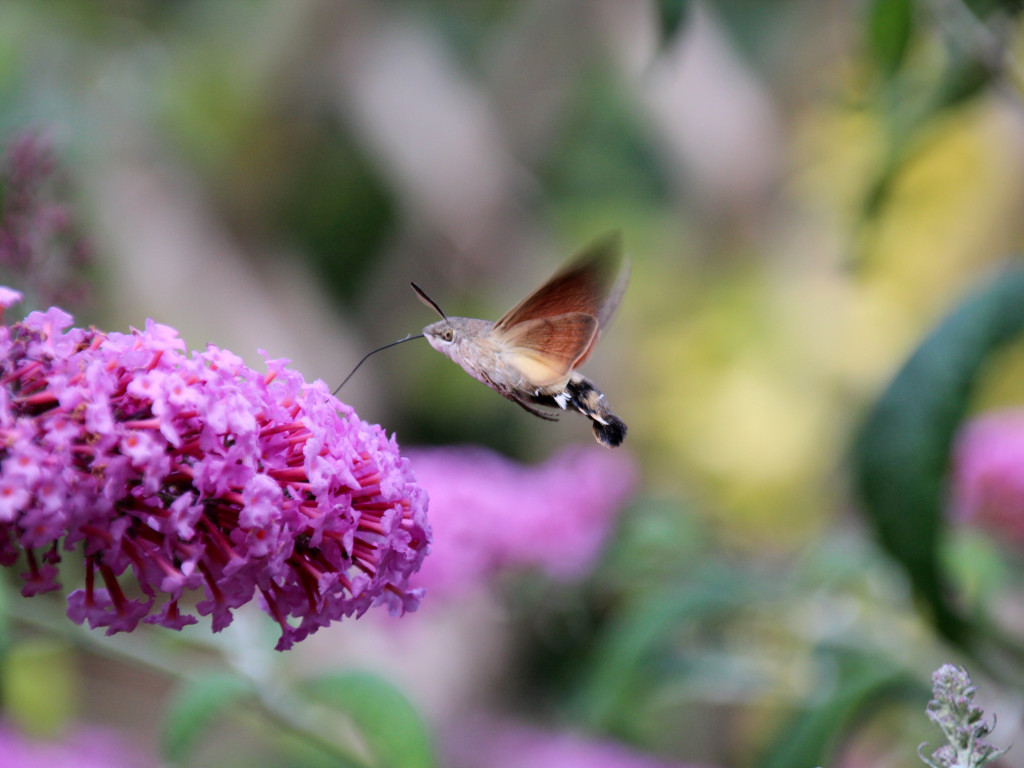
531 353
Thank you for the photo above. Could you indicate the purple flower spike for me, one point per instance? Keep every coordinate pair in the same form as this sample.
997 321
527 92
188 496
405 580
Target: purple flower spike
492 514
84 747
195 474
961 722
512 745
987 488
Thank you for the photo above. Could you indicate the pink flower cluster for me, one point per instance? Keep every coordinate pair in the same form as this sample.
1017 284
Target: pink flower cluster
987 480
518 746
84 748
195 473
490 513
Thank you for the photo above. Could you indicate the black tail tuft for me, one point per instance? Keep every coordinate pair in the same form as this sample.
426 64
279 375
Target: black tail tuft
611 434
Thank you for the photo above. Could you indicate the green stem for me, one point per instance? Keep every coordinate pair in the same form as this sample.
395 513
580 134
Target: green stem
276 701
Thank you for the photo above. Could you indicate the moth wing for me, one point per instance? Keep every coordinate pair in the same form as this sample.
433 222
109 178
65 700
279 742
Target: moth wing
546 349
615 295
587 284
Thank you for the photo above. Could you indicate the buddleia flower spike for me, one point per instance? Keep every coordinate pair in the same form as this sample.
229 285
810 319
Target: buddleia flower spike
962 723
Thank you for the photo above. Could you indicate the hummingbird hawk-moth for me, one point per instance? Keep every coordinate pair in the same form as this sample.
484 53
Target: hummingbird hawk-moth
531 353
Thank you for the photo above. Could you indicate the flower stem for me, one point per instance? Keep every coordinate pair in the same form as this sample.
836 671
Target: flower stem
274 699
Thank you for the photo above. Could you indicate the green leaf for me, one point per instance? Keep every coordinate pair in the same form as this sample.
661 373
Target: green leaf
195 707
629 661
671 15
909 114
964 79
890 24
393 730
982 9
901 454
810 736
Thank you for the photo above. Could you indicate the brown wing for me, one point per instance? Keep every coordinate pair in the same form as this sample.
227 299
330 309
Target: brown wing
546 349
587 285
610 305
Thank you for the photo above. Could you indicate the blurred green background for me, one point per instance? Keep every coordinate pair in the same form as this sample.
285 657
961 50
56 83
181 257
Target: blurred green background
804 189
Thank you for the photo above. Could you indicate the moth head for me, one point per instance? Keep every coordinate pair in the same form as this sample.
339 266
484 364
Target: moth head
440 333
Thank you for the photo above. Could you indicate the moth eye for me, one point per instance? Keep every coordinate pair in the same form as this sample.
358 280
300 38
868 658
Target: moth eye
447 335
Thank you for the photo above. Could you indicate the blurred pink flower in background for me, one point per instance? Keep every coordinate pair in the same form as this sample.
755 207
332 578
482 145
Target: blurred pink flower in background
489 513
196 474
40 248
492 745
987 477
85 748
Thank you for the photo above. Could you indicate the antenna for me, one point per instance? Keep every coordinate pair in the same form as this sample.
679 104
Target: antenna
378 349
427 300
